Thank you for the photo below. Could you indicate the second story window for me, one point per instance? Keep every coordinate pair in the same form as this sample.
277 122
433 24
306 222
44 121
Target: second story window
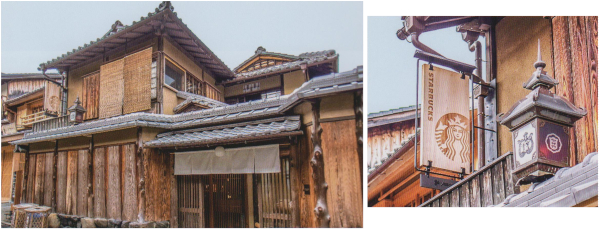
174 76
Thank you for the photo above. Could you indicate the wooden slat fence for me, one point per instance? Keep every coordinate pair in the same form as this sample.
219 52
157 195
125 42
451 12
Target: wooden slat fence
488 186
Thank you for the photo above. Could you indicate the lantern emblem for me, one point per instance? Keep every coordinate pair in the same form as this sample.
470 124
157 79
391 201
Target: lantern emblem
553 143
525 144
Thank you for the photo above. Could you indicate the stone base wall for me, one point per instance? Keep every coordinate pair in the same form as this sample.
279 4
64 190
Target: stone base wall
72 221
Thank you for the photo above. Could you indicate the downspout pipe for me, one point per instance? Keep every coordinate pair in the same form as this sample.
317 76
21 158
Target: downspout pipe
415 41
476 46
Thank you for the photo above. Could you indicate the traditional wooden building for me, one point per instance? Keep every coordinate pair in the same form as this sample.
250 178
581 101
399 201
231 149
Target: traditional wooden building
563 51
25 99
158 133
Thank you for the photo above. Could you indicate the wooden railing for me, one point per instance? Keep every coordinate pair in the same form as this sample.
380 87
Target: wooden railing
488 186
28 120
51 123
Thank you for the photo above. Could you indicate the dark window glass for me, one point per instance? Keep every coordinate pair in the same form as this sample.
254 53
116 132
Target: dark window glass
173 76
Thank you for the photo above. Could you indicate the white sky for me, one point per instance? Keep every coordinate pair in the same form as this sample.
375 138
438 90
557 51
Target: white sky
35 32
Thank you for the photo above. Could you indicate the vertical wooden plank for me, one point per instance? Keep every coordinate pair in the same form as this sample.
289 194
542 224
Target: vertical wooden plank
295 186
475 187
71 196
82 182
61 182
455 197
465 200
592 46
31 178
48 179
99 182
586 142
509 182
498 182
174 194
445 201
38 197
113 193
130 200
486 185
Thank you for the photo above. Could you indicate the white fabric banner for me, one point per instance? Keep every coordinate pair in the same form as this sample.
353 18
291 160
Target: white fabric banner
246 160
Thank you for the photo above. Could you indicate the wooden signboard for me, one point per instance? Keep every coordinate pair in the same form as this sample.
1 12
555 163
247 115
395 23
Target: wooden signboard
445 125
52 99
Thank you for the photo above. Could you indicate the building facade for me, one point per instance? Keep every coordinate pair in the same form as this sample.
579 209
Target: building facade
567 55
172 135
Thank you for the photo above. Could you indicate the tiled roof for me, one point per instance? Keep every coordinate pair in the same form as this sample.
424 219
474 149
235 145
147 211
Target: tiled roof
568 187
372 123
253 130
260 51
119 34
22 98
191 98
308 58
29 76
317 87
392 111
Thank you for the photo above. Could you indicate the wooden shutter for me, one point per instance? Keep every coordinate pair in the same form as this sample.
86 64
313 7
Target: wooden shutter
91 89
52 98
137 74
111 89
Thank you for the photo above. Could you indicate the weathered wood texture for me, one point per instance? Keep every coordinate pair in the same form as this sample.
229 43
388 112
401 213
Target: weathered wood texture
342 173
30 179
488 186
61 182
38 196
100 182
7 168
575 51
307 197
383 140
317 162
113 192
52 95
130 184
71 194
158 185
91 95
48 180
82 182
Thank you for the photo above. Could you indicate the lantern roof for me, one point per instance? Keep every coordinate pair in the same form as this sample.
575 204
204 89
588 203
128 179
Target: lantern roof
77 106
541 102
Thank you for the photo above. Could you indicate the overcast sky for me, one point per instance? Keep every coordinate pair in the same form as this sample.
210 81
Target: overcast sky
35 32
392 68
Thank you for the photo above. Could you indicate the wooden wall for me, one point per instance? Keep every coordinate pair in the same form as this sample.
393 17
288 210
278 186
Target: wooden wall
24 86
7 170
385 139
306 200
342 173
157 171
575 52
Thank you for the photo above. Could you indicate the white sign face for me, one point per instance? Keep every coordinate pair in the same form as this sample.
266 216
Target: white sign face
524 143
445 126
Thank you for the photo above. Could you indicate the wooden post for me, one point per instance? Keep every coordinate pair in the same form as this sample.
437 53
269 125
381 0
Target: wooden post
25 177
358 106
90 189
54 176
295 184
142 186
318 166
174 206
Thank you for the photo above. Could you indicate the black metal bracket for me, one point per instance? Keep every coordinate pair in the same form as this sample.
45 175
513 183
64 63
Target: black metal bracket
481 128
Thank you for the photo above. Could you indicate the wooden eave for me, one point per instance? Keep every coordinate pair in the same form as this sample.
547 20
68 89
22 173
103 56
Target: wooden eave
260 58
39 93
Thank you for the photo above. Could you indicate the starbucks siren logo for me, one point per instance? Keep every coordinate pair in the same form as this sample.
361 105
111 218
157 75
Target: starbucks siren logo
452 137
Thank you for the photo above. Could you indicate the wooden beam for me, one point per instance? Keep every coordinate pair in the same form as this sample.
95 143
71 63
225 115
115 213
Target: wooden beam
25 177
318 167
90 186
295 184
409 179
174 206
54 175
141 162
358 112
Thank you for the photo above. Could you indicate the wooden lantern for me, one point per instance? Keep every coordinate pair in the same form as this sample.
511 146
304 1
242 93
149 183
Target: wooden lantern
540 125
76 112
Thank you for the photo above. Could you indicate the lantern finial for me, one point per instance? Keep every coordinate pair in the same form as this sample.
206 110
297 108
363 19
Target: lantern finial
539 77
539 63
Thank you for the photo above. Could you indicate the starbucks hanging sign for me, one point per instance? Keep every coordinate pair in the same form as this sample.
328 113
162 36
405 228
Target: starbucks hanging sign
445 126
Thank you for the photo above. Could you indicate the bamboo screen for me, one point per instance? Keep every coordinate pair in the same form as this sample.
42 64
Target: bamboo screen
91 89
111 89
52 98
275 198
137 73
